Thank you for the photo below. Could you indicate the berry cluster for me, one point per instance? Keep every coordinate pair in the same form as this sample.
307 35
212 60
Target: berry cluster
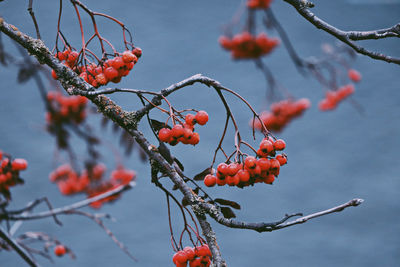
253 4
60 250
196 257
9 173
354 75
247 46
90 181
65 108
333 98
264 169
281 114
110 70
184 133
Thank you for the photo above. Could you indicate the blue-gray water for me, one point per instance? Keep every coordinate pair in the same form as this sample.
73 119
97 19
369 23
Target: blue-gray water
333 157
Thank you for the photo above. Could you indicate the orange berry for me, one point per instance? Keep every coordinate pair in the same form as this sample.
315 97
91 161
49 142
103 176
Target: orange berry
137 52
354 75
243 175
101 79
60 250
233 168
221 182
210 180
266 146
117 63
54 74
269 179
164 135
250 162
222 169
177 131
201 117
264 164
195 139
19 164
190 253
179 257
110 73
282 159
190 119
72 57
127 56
279 144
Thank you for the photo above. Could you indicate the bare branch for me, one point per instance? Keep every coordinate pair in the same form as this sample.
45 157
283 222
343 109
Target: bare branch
17 248
216 214
96 219
348 36
67 209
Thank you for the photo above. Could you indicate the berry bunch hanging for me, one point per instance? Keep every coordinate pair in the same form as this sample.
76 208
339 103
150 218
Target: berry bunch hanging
9 173
195 256
281 113
247 46
110 70
65 109
184 133
265 167
90 181
333 98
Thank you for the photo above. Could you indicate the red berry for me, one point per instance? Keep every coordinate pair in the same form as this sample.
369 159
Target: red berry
282 159
177 131
201 117
266 146
264 164
233 168
275 164
210 180
243 175
279 144
203 251
60 56
250 162
222 169
101 79
111 73
195 139
19 164
232 180
221 182
60 250
53 74
72 57
190 119
354 75
179 257
137 52
127 57
190 253
164 135
117 63
269 179
195 263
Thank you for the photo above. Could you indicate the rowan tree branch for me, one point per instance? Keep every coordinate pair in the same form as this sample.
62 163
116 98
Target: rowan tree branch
348 36
129 120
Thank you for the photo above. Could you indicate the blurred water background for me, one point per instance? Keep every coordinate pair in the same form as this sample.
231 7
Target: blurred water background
333 156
